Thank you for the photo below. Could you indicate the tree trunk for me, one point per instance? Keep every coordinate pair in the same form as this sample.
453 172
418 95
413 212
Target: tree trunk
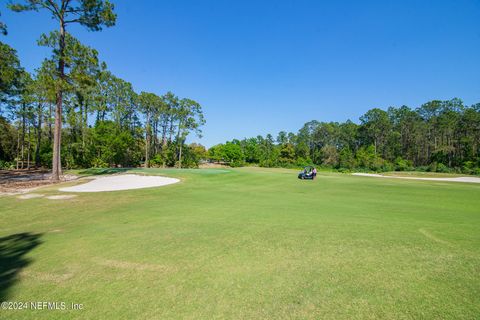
147 140
155 136
170 130
29 147
57 136
164 134
50 134
39 137
180 156
84 129
18 146
179 144
23 133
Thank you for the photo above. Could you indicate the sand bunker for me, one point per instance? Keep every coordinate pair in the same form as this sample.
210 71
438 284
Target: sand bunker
452 179
30 196
121 182
61 197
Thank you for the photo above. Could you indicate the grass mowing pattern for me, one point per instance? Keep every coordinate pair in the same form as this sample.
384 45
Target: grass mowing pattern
248 243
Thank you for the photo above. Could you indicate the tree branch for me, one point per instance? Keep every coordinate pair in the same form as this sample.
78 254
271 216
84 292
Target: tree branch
54 6
71 21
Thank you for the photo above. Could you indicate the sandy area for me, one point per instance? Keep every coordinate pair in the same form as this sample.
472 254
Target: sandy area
30 196
61 197
452 179
15 182
53 197
121 182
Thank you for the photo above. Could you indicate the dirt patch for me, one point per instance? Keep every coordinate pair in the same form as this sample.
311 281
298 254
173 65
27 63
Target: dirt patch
13 182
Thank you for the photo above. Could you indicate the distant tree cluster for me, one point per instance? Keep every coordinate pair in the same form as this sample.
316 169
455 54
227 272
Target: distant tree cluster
441 136
73 111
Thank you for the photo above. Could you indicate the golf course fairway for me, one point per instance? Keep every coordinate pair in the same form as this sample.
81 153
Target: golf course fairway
248 243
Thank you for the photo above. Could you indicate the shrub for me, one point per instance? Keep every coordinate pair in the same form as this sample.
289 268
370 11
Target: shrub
422 168
402 164
99 163
302 162
469 167
443 168
7 165
387 166
157 161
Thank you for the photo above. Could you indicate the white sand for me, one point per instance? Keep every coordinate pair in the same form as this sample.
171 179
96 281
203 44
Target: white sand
30 196
452 179
121 182
61 197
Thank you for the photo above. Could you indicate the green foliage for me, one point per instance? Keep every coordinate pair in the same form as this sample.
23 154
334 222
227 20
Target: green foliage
287 154
7 140
347 159
93 14
403 165
443 168
10 73
230 153
3 27
302 162
158 161
7 165
329 156
112 146
99 163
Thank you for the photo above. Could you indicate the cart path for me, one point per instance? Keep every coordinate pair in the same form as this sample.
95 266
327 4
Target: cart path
452 179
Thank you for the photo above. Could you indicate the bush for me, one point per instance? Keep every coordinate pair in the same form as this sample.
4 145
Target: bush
157 161
387 166
236 163
7 165
443 168
469 167
302 162
403 165
99 163
346 159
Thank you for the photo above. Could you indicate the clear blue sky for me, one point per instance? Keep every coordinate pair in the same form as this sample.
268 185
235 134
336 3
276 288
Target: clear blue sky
259 67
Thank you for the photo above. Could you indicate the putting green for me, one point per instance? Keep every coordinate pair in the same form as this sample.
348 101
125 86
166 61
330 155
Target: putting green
249 243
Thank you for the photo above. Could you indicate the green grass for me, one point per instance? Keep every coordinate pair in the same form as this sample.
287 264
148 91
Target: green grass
249 243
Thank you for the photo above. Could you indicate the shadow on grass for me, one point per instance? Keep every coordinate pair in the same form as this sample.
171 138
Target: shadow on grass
13 249
100 171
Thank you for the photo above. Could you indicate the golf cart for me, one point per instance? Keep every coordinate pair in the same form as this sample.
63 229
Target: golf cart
307 173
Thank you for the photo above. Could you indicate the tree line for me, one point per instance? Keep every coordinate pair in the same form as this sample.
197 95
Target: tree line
441 136
73 112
